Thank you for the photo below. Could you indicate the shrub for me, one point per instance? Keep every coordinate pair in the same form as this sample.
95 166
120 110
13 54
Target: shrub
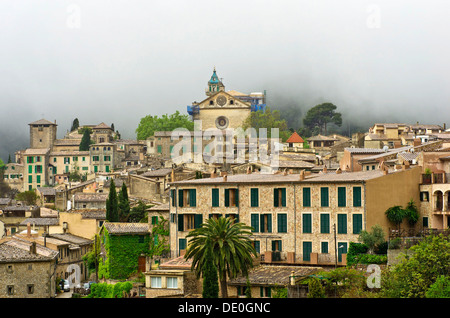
440 288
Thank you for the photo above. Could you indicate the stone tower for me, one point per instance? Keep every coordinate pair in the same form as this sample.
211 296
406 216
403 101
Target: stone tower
42 134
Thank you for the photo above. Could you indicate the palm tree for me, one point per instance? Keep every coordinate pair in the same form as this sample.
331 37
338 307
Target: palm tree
231 247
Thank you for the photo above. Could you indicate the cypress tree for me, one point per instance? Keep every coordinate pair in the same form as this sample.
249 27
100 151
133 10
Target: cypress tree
112 214
210 277
124 203
85 141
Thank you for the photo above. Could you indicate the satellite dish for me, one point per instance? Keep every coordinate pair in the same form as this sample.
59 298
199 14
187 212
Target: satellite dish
385 148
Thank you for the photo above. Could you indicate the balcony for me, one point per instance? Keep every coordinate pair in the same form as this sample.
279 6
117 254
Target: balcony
434 178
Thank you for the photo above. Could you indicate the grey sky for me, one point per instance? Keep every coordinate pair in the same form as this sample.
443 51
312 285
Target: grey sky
117 61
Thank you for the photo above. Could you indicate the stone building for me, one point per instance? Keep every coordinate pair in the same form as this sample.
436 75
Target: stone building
27 270
293 216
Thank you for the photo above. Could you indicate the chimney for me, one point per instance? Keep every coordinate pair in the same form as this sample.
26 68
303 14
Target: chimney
214 174
33 248
249 170
284 172
28 230
338 171
302 175
225 177
325 169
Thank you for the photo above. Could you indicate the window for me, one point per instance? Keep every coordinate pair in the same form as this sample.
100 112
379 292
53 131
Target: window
265 292
30 169
254 219
159 149
10 290
257 246
357 196
324 223
172 282
231 197
154 220
425 221
106 158
182 244
188 196
342 223
188 222
66 160
254 197
282 222
265 223
424 196
173 196
279 197
30 289
307 249
38 179
307 223
30 179
306 197
214 197
155 282
341 197
276 246
75 158
324 197
324 247
357 223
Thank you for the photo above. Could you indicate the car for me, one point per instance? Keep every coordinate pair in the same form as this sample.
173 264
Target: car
87 286
66 285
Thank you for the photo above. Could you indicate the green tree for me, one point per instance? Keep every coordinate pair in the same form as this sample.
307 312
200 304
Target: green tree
320 116
248 289
440 288
210 278
419 269
123 203
112 213
411 213
149 124
29 197
316 290
373 238
75 124
85 140
267 119
9 158
395 214
231 247
138 213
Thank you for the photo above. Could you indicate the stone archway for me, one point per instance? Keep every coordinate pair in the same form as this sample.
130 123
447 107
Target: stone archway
438 197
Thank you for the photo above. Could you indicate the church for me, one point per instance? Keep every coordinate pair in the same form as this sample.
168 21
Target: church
225 109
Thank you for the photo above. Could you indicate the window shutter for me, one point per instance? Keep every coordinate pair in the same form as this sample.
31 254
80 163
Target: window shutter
215 197
254 200
275 197
357 223
324 223
182 244
193 197
282 223
306 197
198 220
307 223
356 196
261 217
269 223
227 197
324 247
307 249
342 224
180 198
341 197
283 197
172 194
236 198
255 223
324 196
180 222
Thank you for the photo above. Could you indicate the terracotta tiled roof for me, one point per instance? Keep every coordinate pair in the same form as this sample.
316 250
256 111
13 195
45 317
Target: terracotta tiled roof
16 250
126 228
41 221
102 126
295 138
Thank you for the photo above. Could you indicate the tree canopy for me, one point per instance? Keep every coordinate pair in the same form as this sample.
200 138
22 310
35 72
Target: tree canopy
75 124
112 208
319 116
85 141
149 124
267 119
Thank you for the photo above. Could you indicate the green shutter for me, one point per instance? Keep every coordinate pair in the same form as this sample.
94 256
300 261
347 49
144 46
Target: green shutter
30 179
227 197
257 246
215 197
236 198
307 249
182 244
342 197
342 249
198 220
282 223
357 196
172 194
192 197
159 149
269 223
275 197
324 223
307 226
180 198
30 169
283 197
254 219
262 223
357 223
254 200
324 247
306 197
38 179
324 196
180 222
342 224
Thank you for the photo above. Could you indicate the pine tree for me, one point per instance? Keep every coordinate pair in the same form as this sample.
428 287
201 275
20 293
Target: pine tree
112 214
85 141
75 124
